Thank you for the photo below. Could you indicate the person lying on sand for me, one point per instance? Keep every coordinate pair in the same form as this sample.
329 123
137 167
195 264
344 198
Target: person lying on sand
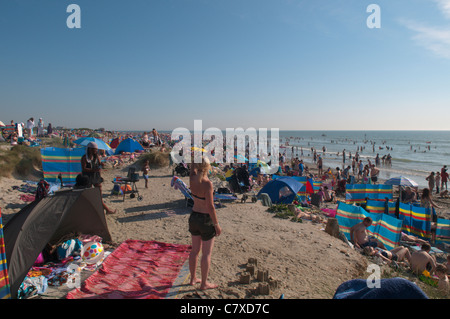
308 216
413 239
398 254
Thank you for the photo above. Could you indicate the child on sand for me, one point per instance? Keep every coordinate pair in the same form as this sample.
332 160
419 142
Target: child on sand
443 284
145 171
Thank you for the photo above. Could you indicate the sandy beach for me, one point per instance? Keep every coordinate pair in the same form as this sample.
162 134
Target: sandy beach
301 259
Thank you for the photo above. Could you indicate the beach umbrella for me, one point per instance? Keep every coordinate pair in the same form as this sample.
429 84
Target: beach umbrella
2 124
84 141
401 181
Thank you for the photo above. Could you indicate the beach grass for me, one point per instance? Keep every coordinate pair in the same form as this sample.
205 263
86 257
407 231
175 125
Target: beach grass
156 159
19 159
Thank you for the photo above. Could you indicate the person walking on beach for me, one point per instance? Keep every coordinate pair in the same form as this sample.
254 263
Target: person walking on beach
444 177
90 167
374 172
203 223
431 180
437 179
320 166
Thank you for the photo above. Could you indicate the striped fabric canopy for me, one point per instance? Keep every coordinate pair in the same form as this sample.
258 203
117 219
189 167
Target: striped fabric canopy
64 161
443 231
385 228
381 206
4 279
357 193
416 220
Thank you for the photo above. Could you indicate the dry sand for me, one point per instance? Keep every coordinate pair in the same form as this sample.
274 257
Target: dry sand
304 261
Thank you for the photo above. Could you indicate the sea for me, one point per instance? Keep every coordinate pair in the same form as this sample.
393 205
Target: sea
414 154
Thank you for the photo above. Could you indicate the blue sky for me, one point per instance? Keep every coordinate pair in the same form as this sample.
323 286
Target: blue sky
287 64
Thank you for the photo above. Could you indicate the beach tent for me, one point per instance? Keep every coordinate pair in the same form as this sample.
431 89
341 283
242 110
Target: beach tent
47 221
128 145
282 190
311 186
64 161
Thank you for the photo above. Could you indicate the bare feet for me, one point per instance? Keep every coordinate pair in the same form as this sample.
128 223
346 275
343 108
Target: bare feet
194 281
208 286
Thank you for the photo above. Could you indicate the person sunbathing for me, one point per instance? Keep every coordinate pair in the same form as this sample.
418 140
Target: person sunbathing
308 216
398 254
413 239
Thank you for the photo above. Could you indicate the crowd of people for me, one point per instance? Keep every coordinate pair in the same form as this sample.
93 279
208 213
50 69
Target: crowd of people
420 262
204 224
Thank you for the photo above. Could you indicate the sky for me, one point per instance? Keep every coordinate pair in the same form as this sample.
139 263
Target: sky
286 64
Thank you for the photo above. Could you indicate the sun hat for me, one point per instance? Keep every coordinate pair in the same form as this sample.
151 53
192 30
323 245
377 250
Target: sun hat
92 145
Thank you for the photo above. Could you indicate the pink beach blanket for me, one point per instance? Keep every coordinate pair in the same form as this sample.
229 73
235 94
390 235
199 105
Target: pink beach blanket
135 270
330 212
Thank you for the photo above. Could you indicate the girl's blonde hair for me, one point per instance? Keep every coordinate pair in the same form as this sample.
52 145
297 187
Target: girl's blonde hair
202 167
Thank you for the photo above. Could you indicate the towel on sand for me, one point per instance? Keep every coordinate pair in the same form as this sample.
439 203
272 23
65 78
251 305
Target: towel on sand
392 288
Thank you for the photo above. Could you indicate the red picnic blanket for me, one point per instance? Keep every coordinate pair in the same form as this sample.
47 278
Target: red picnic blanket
135 270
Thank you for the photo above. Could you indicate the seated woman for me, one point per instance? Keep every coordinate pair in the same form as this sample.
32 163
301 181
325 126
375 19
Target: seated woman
328 196
398 254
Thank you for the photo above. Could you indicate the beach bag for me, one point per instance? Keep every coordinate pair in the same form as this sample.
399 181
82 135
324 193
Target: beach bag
116 190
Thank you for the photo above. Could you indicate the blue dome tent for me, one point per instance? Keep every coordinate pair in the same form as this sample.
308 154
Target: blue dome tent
128 145
282 190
